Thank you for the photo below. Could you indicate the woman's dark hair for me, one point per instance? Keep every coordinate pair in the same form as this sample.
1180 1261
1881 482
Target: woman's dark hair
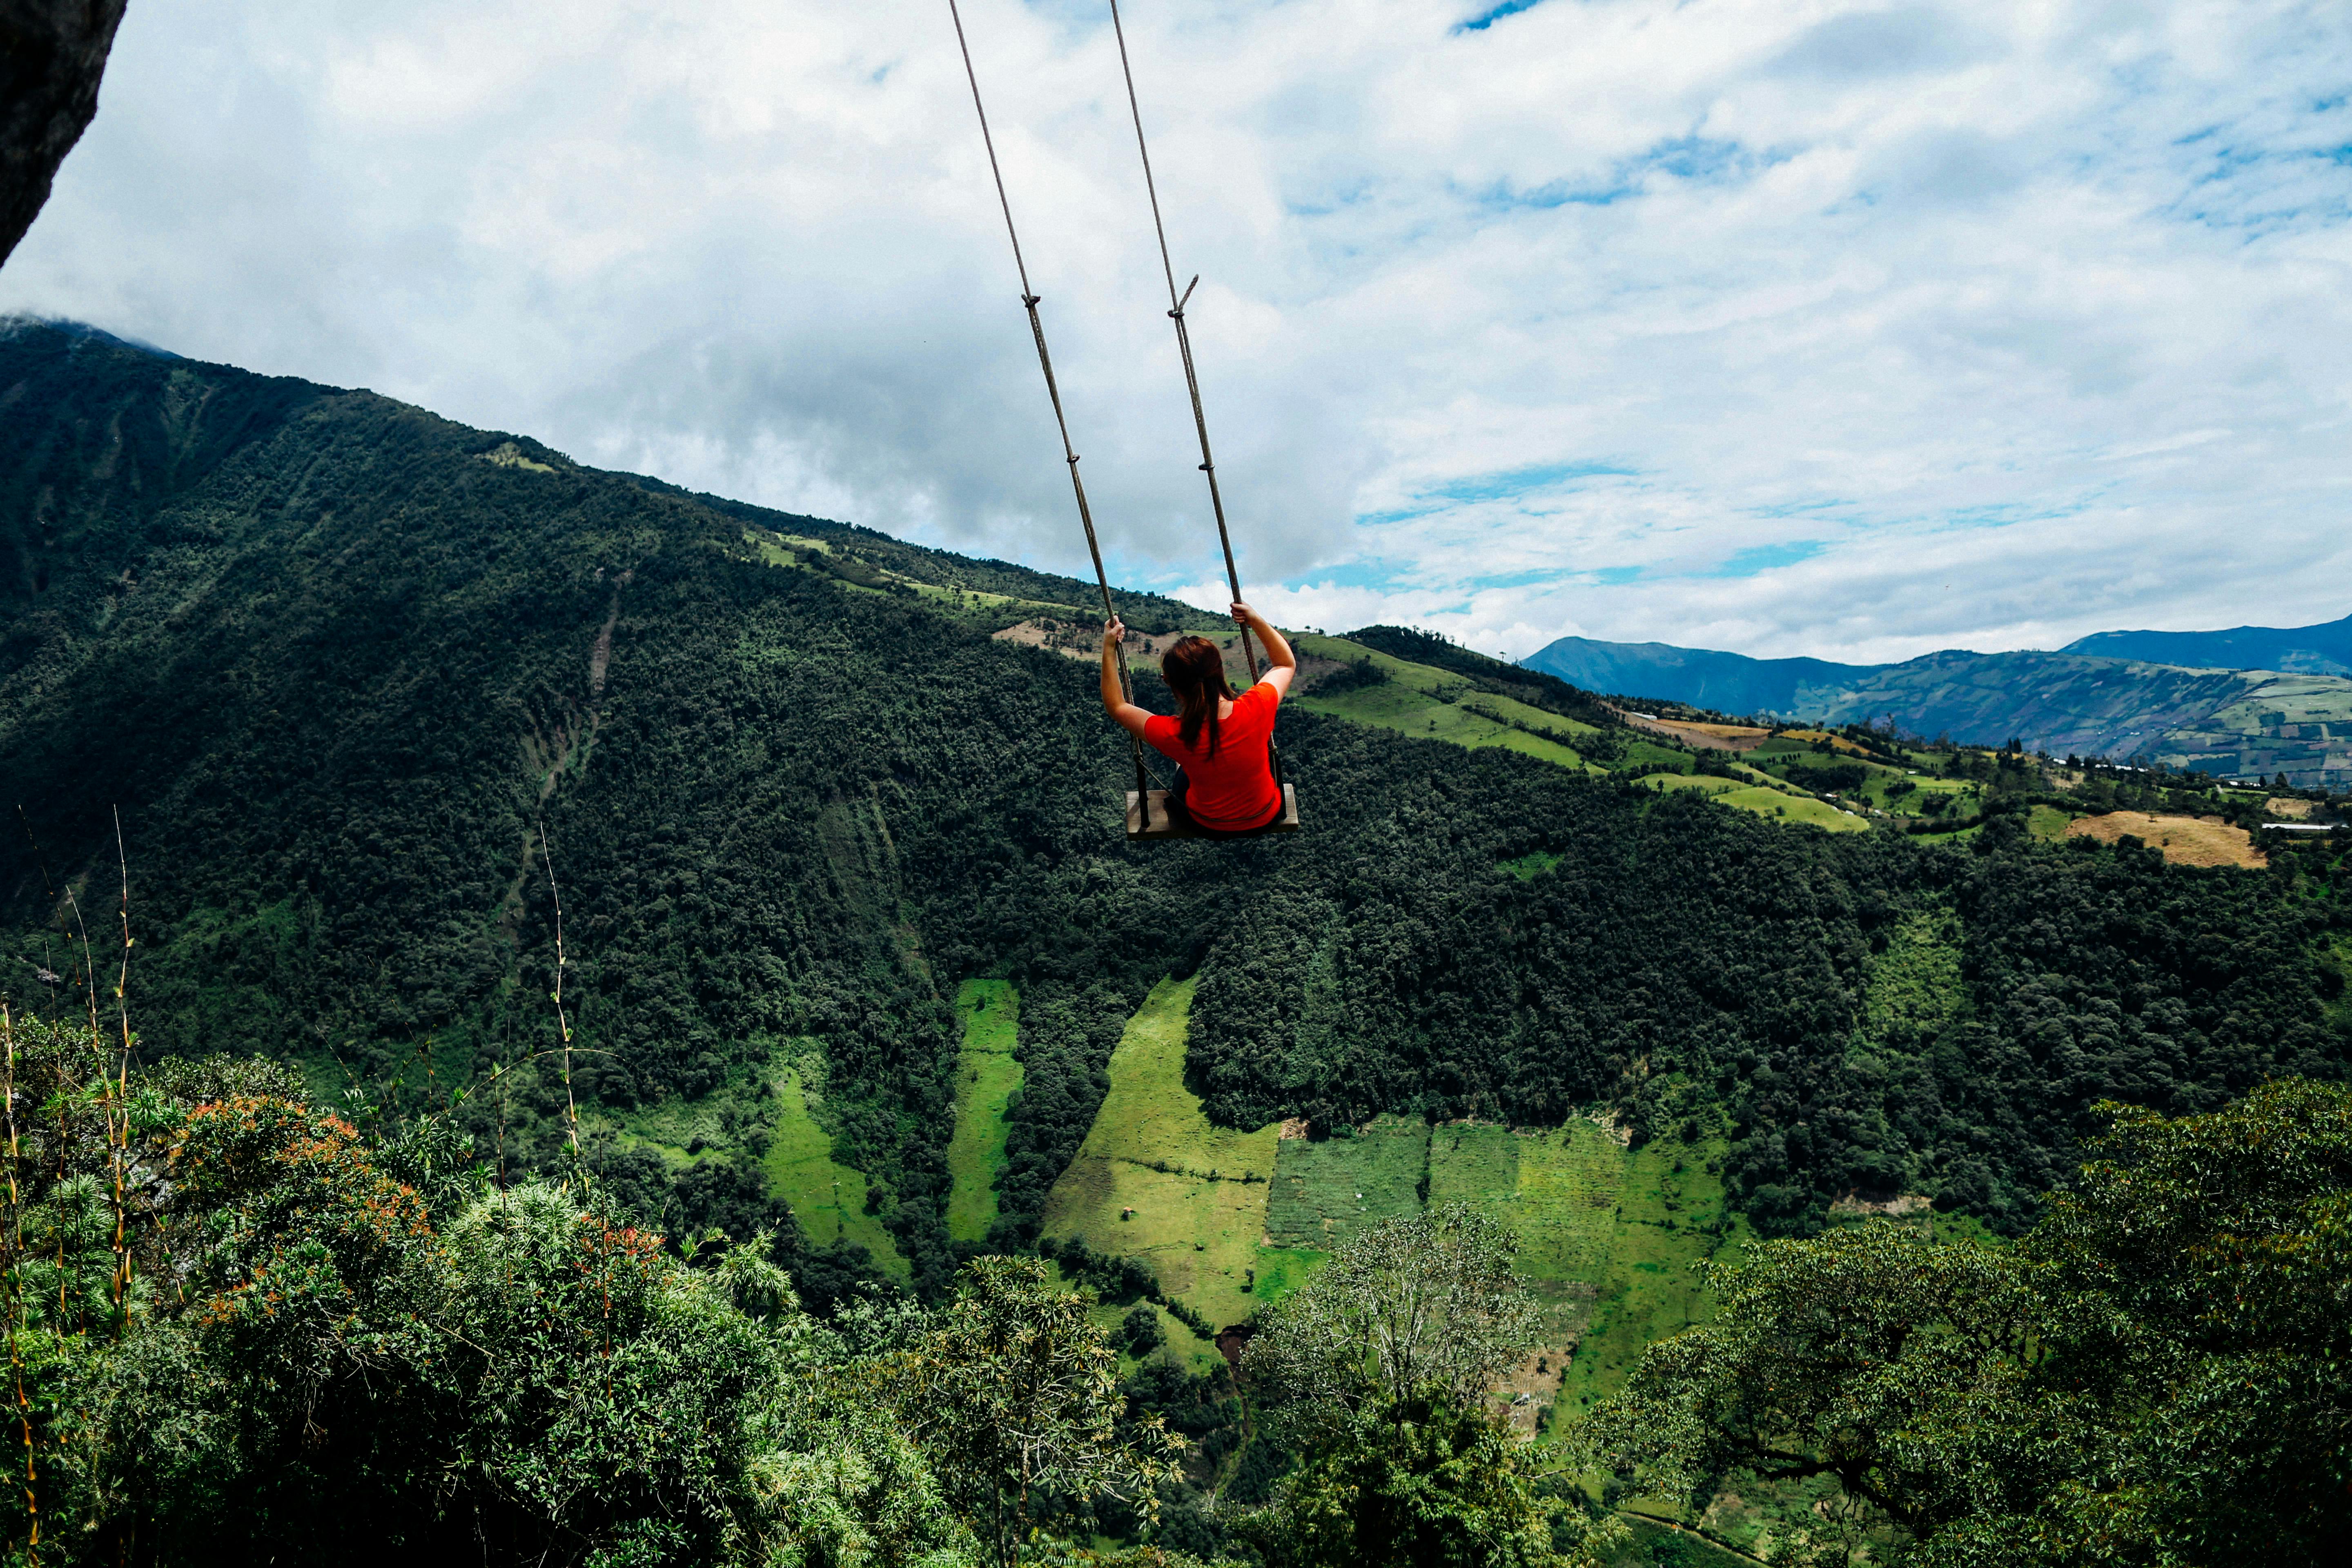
1195 671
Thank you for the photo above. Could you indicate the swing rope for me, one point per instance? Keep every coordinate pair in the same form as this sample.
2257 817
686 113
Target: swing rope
1029 300
1176 303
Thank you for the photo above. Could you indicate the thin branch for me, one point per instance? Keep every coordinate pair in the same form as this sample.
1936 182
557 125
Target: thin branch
119 1142
570 1106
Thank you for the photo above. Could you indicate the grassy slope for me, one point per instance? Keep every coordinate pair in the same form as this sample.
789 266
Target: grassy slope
987 1073
1666 1213
1657 1545
979 605
2185 840
1763 801
1198 1192
2248 736
1434 705
1414 713
1607 1234
829 1199
1879 792
1415 699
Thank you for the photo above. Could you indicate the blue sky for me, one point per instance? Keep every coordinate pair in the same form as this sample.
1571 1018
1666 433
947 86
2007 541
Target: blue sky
1846 330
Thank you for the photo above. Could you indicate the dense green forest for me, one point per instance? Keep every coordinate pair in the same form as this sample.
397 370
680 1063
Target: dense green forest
243 1327
356 681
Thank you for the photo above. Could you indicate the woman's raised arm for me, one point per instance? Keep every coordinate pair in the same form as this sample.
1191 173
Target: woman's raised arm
1282 664
1128 716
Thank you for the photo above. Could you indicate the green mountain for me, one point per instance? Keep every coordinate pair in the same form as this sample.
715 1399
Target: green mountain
2102 696
2325 649
847 928
1703 678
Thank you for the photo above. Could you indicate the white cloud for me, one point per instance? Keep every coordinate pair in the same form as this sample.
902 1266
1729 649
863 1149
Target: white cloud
1798 327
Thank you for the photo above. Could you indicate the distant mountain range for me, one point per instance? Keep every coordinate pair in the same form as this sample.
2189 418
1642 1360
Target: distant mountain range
2253 700
2324 650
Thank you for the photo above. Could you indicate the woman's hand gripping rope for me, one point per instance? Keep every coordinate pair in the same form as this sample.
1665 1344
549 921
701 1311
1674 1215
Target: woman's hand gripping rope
1113 693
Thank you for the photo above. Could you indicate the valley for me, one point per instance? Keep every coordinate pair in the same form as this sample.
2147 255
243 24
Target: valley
410 726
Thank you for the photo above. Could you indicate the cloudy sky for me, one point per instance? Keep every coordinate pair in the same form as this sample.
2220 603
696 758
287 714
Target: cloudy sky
1786 326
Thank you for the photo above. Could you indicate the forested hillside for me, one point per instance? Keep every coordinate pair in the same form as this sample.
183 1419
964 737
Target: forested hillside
368 689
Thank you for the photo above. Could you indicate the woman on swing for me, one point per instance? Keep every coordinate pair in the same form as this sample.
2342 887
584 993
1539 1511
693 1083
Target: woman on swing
1219 738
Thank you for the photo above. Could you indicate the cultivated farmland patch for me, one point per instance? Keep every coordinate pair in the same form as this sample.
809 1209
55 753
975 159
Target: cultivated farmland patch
2185 840
1327 1189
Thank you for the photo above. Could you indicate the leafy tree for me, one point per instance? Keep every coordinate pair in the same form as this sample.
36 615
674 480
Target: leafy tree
2200 1273
1904 1369
2151 1376
1015 1395
1139 1332
1377 1372
1421 1306
1426 1483
268 1347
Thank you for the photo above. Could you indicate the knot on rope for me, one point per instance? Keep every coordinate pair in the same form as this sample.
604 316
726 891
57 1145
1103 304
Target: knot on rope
1030 301
1175 315
1073 459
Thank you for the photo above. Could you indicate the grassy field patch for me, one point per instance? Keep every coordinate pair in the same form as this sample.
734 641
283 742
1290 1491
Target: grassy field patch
1658 1544
1439 705
1558 1190
1640 753
1700 782
1155 1180
1667 1213
1473 1163
1763 801
1528 867
1795 808
828 1198
795 552
1914 987
986 1076
1607 1234
1511 710
1810 740
2049 823
1416 713
1886 790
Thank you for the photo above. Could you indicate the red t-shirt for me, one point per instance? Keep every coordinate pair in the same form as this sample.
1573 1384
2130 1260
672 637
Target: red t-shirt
1234 790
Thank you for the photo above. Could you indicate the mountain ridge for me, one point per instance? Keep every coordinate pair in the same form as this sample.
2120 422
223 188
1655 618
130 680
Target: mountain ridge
2322 649
2124 705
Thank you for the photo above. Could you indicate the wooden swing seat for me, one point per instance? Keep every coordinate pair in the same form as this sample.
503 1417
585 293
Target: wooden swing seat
1166 827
